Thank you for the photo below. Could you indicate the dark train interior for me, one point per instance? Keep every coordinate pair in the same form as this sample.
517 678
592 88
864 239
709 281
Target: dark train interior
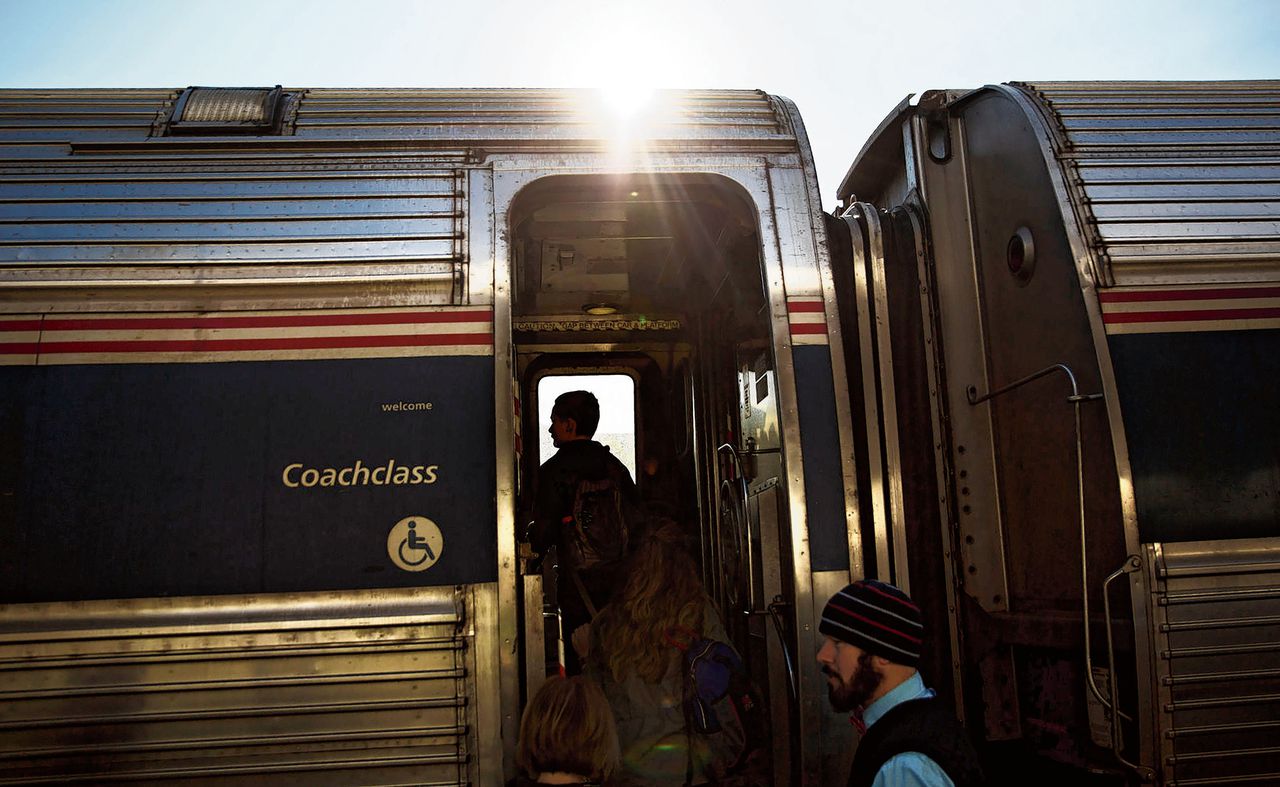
657 281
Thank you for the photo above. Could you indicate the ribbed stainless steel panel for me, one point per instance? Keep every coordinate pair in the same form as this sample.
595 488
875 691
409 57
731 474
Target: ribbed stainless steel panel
41 117
223 220
1176 182
531 116
345 688
496 116
363 187
1218 660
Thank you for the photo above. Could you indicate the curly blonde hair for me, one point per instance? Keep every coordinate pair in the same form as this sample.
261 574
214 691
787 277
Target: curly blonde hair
660 594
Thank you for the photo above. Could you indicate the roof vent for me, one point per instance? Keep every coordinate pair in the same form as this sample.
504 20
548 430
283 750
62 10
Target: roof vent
227 110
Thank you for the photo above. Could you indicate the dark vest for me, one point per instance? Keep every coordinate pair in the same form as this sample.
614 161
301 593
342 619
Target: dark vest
926 726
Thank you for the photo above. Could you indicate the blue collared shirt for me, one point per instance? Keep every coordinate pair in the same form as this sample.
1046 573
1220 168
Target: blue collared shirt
911 768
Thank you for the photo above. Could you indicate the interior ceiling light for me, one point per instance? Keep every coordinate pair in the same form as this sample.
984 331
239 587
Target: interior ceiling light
600 309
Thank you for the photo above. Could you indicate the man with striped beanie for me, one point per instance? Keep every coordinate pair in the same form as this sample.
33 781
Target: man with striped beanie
874 633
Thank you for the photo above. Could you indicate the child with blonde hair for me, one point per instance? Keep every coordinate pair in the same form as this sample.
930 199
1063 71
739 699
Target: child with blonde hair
567 735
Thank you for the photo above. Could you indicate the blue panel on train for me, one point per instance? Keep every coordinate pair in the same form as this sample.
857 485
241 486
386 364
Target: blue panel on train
1202 417
187 479
823 476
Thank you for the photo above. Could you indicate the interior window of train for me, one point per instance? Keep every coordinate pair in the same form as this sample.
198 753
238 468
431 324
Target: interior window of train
617 396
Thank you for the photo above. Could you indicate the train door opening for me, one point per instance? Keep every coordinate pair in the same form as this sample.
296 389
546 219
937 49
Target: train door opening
656 281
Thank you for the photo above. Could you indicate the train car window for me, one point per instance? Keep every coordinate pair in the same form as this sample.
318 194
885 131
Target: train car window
617 395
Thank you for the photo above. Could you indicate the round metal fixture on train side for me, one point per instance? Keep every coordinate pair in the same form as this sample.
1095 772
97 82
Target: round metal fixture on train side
1020 255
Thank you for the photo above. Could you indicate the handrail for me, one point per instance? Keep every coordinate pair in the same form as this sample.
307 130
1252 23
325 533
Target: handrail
776 617
750 608
1131 564
1075 399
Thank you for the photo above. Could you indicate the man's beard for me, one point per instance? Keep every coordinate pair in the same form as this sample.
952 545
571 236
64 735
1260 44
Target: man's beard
846 697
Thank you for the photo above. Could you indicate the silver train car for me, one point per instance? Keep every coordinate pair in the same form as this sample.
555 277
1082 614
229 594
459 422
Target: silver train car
1067 311
274 363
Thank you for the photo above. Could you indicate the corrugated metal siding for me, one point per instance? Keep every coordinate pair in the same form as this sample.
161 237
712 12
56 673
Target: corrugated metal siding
42 123
363 688
1218 660
1177 182
514 118
364 187
504 118
196 222
106 208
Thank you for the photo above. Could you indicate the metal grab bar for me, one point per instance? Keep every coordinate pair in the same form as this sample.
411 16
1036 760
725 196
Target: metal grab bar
1075 399
776 617
1131 564
772 610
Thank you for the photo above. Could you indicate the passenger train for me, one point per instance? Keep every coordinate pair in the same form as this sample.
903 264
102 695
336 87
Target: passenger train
275 359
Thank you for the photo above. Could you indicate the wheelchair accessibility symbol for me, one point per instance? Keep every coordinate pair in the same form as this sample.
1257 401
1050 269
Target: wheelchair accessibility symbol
415 543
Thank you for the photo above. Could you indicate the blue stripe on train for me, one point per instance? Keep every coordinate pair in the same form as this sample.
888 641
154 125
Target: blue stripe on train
820 442
167 479
1202 418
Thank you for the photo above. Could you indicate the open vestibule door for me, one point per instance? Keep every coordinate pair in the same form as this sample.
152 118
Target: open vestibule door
660 280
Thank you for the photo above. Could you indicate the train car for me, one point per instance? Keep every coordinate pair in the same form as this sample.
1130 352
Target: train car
270 356
1066 304
275 361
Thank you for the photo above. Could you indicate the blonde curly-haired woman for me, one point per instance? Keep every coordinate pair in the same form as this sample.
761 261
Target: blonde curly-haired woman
631 649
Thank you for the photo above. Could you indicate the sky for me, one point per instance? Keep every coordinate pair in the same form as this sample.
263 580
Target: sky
846 63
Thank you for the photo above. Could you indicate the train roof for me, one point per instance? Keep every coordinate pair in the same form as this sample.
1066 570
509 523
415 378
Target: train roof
51 123
1174 181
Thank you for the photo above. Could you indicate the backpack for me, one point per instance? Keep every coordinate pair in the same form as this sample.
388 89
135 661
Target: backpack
596 532
724 707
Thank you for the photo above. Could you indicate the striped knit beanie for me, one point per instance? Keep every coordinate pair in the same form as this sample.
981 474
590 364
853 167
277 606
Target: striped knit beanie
877 618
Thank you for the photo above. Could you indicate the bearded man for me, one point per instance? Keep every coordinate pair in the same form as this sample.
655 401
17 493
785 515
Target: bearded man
909 737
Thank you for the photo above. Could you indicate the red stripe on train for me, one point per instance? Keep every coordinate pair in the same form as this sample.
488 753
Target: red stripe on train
19 325
807 328
1194 315
804 306
1189 295
277 321
235 345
